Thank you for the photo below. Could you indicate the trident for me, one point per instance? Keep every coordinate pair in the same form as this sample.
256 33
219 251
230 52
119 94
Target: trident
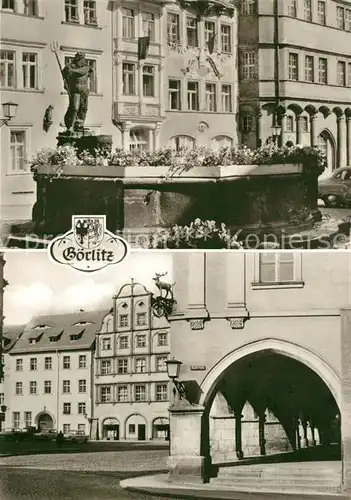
54 46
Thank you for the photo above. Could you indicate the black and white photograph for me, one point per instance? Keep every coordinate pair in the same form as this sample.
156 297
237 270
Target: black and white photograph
189 124
182 375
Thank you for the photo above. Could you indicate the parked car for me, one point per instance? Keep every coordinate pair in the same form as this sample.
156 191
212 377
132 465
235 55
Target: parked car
15 434
76 437
336 190
45 435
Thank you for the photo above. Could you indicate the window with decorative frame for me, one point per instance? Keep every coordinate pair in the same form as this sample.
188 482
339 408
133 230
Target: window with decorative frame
122 393
173 31
148 81
141 341
18 151
308 10
291 8
7 68
19 364
323 70
161 363
82 386
174 92
210 31
66 362
309 69
106 344
148 23
348 20
248 65
47 386
16 419
128 23
140 365
105 394
278 269
19 388
33 387
123 320
226 98
162 339
71 11
140 392
192 32
128 74
247 123
161 392
122 366
340 18
248 7
289 123
321 18
221 141
106 366
341 73
293 66
8 5
27 418
82 361
66 386
89 12
123 342
193 96
66 408
210 96
82 408
226 43
182 142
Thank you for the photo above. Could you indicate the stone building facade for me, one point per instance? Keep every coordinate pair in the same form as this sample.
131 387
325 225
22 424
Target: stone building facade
131 382
264 342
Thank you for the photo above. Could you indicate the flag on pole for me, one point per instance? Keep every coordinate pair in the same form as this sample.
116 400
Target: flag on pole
214 67
143 47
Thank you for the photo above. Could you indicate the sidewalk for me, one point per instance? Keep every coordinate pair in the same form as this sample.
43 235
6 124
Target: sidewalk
160 485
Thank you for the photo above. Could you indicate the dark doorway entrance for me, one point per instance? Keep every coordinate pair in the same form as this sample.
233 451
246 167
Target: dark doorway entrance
110 429
141 432
45 422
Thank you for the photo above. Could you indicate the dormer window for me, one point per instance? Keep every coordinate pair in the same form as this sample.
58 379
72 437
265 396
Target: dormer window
82 323
55 338
35 338
76 336
40 327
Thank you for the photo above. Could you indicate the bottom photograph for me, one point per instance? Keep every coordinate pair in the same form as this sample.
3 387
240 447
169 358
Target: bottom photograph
207 375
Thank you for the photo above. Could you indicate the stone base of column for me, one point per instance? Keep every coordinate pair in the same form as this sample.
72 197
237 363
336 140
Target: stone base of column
188 469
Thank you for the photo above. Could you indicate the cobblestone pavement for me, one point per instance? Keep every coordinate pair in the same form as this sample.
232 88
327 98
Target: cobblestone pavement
83 476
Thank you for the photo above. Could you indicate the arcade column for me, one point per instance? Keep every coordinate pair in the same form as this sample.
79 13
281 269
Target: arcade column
346 397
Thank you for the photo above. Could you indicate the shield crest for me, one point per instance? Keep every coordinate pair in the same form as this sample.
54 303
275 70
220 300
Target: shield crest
88 231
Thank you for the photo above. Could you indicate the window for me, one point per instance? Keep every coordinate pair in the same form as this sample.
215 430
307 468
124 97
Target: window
174 95
122 366
321 13
182 142
19 388
248 7
123 342
106 344
161 392
140 365
340 18
123 320
32 387
211 97
191 32
161 363
16 419
141 341
66 386
308 10
309 69
47 387
66 408
89 11
128 23
18 151
276 267
128 78
138 139
193 96
82 386
48 363
31 7
141 319
81 427
66 428
323 70
173 28
106 393
66 362
248 65
226 45
247 123
349 74
27 418
148 20
7 68
221 141
82 361
348 20
293 67
290 123
8 4
304 123
105 367
19 365
122 393
131 429
140 393
162 339
82 409
33 364
341 73
292 8
2 398
148 81
226 98
210 31
71 11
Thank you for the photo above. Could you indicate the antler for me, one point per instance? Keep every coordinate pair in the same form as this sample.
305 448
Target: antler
159 275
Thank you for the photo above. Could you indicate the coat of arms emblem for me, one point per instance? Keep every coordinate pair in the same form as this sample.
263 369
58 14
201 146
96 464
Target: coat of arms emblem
88 232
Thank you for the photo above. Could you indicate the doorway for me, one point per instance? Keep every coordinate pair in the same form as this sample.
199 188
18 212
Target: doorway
141 432
45 422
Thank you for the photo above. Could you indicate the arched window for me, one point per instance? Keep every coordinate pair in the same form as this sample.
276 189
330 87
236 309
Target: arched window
290 123
222 141
138 138
182 141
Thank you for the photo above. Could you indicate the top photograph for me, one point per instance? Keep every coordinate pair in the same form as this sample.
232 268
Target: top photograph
179 124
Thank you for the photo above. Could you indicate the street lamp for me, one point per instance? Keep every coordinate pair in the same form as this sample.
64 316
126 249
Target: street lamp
276 132
9 110
173 370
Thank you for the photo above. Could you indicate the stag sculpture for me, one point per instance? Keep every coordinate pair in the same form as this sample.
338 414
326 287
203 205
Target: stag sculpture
162 285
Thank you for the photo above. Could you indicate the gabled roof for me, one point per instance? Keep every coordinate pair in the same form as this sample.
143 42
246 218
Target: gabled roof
71 331
10 335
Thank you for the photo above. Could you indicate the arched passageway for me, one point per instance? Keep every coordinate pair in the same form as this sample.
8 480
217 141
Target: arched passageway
326 144
45 422
267 403
110 429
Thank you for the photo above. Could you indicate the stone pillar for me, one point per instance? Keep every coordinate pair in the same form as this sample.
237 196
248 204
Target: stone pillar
283 130
238 436
298 129
303 433
259 129
346 397
261 433
309 433
157 144
126 135
189 458
313 130
348 140
341 141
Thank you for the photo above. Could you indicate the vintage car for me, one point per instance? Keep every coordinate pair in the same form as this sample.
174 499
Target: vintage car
336 190
45 435
76 436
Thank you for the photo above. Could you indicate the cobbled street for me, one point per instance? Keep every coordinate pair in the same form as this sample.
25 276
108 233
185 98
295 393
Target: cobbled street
77 476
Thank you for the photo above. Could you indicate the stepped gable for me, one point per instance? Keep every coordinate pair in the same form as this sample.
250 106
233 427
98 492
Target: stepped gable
69 331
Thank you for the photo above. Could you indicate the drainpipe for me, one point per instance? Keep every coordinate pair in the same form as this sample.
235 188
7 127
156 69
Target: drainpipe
58 391
276 60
